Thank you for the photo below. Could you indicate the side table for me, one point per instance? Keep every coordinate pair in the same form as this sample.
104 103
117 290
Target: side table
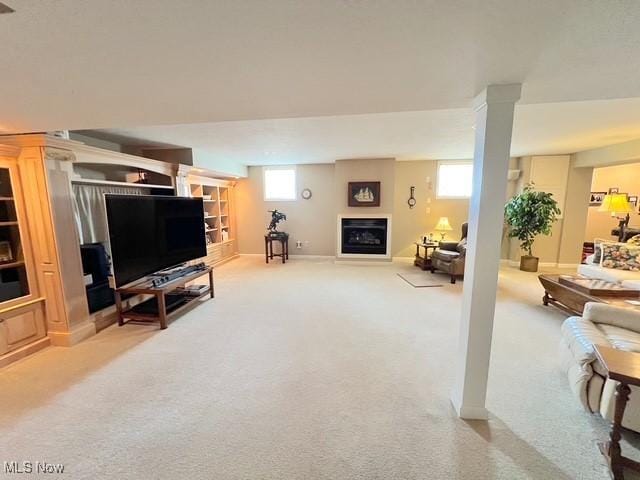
624 367
424 262
283 238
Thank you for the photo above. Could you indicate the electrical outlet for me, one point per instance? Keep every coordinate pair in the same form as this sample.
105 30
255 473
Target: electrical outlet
298 244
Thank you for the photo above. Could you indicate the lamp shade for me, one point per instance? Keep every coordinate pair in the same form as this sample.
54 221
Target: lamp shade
615 203
443 225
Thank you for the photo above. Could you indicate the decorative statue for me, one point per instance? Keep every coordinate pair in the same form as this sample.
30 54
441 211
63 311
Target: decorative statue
276 218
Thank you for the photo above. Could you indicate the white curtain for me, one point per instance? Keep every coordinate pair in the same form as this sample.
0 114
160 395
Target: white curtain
90 211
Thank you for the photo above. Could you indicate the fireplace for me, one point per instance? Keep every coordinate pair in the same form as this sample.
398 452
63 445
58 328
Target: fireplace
364 236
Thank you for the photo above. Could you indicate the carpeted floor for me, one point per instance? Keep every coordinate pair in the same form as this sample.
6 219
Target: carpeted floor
309 370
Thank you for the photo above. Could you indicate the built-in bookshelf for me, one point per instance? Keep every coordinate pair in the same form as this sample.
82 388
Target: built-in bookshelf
217 199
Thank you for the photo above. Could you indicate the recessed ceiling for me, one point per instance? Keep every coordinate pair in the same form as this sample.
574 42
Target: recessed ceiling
436 134
69 64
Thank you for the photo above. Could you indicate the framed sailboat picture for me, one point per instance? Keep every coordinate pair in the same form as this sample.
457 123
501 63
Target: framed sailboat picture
364 194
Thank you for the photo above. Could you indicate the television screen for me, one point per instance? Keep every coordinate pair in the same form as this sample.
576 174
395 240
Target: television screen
150 233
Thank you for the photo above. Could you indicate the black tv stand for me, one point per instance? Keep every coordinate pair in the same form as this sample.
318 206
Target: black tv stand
165 302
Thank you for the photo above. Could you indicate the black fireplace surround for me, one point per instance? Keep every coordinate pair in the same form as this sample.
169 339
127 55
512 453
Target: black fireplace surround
364 236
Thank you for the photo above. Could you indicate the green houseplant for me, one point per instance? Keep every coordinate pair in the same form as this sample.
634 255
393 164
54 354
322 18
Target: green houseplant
528 214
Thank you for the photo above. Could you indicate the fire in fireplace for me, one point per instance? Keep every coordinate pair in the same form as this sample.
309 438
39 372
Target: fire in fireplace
364 236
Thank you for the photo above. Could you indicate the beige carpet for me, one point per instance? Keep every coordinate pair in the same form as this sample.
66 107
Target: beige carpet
308 370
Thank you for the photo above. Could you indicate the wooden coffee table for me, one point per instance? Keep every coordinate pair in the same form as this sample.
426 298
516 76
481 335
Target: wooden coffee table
570 293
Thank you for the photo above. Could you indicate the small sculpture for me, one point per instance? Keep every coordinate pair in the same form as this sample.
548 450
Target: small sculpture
276 217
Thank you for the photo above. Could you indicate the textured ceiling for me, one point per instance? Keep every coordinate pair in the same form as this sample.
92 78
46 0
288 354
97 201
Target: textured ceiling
438 134
69 64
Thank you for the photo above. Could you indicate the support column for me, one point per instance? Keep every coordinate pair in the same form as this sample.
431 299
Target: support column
494 121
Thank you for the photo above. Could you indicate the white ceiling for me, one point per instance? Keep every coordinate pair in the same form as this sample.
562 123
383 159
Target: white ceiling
436 134
70 64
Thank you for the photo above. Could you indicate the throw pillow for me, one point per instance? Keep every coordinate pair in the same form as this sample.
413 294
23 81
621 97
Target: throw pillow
635 240
597 250
621 256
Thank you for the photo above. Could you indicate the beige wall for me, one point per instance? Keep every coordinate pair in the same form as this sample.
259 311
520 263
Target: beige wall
627 179
364 170
558 174
311 221
315 221
575 214
410 224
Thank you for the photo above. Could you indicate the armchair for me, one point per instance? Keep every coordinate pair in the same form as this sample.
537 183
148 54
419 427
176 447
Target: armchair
450 256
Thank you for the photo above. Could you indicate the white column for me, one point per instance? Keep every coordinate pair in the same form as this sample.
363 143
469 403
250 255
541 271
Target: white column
494 122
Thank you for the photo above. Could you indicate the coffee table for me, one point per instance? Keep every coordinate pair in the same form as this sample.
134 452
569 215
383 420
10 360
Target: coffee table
570 293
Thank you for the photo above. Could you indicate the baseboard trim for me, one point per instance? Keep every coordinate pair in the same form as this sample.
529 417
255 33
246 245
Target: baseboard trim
294 255
78 334
516 263
568 265
24 352
467 412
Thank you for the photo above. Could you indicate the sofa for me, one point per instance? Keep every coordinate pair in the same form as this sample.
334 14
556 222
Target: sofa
450 256
626 278
600 324
595 268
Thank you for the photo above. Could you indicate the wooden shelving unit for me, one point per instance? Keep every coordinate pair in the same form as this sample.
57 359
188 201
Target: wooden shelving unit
217 197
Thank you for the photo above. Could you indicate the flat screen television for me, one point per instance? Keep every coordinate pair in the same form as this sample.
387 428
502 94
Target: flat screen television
149 233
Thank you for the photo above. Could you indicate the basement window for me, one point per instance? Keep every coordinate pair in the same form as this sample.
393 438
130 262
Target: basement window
279 183
455 180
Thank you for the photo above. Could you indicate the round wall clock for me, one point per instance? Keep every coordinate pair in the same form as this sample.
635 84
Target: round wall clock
306 194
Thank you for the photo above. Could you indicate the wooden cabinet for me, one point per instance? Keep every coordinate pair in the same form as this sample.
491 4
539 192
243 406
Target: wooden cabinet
22 314
21 327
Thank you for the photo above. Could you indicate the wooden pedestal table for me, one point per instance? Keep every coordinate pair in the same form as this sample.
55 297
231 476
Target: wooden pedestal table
424 262
624 367
157 309
283 238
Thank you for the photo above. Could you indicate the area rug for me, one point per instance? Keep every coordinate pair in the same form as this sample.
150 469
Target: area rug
418 280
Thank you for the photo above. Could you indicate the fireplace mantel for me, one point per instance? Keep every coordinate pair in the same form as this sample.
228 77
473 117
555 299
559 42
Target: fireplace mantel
371 256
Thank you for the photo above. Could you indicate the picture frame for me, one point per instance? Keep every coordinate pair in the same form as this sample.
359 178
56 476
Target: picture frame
614 190
596 198
633 200
363 194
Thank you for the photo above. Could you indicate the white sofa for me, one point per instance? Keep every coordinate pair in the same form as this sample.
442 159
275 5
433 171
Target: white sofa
600 324
626 278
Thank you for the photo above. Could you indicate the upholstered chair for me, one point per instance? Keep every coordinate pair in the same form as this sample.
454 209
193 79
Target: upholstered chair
450 256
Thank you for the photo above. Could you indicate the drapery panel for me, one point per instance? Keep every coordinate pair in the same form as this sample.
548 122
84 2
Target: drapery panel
90 211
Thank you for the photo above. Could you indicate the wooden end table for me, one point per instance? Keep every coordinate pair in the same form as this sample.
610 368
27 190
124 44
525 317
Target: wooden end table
283 238
424 262
624 367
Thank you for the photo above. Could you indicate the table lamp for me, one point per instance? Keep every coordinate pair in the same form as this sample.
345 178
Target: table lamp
443 226
616 204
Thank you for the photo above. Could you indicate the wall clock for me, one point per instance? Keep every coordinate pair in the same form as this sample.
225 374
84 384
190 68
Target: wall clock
306 194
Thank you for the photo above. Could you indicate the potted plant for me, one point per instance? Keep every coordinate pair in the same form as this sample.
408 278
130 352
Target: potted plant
528 214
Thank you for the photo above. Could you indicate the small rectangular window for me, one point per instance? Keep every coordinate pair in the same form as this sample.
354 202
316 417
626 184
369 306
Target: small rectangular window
279 183
455 180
